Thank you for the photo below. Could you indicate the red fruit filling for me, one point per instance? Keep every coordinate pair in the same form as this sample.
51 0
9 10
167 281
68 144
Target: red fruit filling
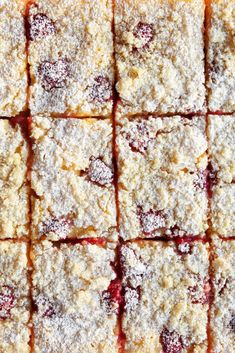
41 26
54 74
45 307
112 297
94 241
151 221
101 90
200 293
60 227
7 302
144 32
171 341
139 138
99 173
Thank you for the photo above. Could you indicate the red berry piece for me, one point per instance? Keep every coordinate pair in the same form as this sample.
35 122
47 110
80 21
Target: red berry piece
183 247
200 293
171 341
232 323
144 32
139 137
112 297
7 302
45 307
41 26
99 173
151 221
54 74
201 180
60 227
101 90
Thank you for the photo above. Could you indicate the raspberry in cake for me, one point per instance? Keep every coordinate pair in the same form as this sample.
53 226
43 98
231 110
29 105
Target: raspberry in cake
159 54
166 297
76 299
222 319
221 133
72 178
71 57
14 298
14 198
13 78
223 209
162 176
220 56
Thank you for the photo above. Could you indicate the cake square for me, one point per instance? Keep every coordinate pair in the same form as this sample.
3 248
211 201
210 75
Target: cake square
71 57
223 210
162 176
221 134
166 297
14 197
159 54
220 56
76 298
72 178
13 65
14 298
222 318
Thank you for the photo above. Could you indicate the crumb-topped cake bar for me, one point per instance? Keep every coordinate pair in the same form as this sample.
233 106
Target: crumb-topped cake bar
14 198
220 56
14 298
159 54
221 135
223 209
13 73
71 57
166 297
76 297
222 320
72 177
162 176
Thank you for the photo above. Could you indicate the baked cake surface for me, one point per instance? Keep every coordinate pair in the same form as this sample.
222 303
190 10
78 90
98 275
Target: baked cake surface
14 298
72 293
72 177
13 75
220 56
222 311
71 57
159 53
14 199
162 176
166 297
